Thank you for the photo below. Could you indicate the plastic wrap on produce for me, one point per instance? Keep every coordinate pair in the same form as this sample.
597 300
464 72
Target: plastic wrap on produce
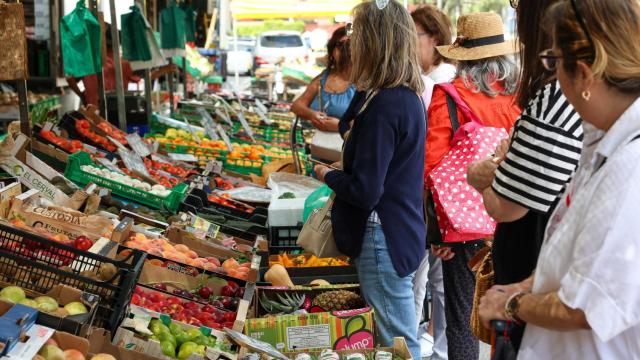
299 185
250 194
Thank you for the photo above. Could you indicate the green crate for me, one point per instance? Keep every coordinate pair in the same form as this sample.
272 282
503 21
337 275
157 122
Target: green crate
74 173
243 169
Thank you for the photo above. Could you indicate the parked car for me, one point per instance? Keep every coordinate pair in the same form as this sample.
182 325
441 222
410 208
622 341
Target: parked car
242 58
273 46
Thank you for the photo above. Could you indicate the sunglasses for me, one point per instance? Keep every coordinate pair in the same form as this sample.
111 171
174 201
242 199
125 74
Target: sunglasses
583 25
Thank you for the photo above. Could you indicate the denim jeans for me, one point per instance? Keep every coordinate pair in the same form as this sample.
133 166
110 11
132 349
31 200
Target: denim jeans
390 295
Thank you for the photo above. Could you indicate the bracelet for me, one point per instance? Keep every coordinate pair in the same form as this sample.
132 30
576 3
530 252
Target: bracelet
512 306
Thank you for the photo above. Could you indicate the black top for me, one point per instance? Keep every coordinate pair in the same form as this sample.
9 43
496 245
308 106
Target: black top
383 166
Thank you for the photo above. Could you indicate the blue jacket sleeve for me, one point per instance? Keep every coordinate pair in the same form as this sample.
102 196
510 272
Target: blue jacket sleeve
377 139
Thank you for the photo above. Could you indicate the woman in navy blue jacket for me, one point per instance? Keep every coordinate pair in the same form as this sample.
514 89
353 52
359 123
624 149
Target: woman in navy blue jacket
377 216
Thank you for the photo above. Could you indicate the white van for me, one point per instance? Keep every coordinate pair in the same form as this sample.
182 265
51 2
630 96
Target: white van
273 46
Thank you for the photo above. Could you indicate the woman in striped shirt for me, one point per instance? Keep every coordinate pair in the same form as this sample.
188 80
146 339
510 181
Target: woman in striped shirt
521 191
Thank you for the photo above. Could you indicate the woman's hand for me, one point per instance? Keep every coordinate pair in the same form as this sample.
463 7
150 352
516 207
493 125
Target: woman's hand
480 174
317 119
443 252
321 171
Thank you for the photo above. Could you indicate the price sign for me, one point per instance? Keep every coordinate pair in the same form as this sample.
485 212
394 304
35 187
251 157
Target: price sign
205 227
139 146
209 124
225 137
134 163
261 110
213 166
108 164
117 144
224 116
245 124
183 157
195 136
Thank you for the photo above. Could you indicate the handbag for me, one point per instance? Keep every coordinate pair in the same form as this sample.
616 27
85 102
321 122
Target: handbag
459 208
482 265
316 236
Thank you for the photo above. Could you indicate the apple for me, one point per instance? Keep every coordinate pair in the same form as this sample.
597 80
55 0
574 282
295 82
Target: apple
208 309
47 303
230 316
212 324
12 294
239 293
76 308
51 352
73 354
227 291
51 342
172 301
160 286
205 292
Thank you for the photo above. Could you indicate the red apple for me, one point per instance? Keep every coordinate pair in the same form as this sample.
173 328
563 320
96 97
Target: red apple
228 325
212 324
205 292
208 309
227 291
172 301
233 284
230 316
136 299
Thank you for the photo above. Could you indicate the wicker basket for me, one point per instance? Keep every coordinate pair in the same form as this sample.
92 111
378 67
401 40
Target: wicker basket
484 281
13 43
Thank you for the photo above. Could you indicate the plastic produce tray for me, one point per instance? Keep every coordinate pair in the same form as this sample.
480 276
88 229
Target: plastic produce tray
74 173
284 238
38 264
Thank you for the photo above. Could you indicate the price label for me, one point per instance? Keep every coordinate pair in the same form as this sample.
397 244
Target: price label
245 124
195 136
117 144
47 126
205 227
209 124
183 157
224 116
225 137
108 164
134 163
213 166
140 147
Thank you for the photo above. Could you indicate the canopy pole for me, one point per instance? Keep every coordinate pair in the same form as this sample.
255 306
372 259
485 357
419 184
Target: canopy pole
23 104
102 100
170 81
147 94
235 49
184 70
122 115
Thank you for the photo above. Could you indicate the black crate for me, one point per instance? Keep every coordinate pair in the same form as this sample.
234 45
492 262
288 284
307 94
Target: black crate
37 264
283 239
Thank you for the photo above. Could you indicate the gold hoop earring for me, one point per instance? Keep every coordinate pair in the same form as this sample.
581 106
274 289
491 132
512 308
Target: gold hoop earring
586 95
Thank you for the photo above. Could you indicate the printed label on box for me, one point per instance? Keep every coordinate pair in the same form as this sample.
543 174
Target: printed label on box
308 337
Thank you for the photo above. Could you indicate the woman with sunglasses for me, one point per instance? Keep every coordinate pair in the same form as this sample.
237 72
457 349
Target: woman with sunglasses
328 96
377 215
582 301
520 187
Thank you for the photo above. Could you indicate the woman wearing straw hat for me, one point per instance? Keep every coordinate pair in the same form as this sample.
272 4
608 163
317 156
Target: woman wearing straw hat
486 82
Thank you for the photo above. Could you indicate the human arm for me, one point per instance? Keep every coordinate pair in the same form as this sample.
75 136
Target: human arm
301 107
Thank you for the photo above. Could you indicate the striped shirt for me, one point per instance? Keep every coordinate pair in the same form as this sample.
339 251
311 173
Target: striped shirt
544 152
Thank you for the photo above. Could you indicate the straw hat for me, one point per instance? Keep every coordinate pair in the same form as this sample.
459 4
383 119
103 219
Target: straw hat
480 36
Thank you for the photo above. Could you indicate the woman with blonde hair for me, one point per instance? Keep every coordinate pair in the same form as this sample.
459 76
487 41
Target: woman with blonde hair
377 215
582 300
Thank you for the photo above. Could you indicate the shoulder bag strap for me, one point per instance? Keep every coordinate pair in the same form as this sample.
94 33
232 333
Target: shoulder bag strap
466 111
453 113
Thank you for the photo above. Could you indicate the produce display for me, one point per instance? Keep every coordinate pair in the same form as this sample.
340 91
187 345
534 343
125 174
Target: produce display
83 127
70 146
16 295
158 190
178 343
306 261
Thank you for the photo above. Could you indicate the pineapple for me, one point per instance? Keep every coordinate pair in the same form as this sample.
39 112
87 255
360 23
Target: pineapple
339 300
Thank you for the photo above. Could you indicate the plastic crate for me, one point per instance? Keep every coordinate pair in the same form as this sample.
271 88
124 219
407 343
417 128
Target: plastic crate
284 238
74 173
247 166
38 264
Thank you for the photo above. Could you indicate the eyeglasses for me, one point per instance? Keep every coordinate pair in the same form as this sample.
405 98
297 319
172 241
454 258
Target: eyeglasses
549 59
583 25
514 3
349 29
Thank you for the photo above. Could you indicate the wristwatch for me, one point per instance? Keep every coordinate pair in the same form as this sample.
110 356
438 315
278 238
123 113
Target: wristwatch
512 307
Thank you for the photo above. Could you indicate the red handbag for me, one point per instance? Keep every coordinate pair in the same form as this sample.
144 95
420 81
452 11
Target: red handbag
459 207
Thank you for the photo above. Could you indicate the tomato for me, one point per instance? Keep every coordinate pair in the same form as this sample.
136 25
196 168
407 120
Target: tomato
83 243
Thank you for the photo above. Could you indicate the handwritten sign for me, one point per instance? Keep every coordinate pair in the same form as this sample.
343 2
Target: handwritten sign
139 146
209 124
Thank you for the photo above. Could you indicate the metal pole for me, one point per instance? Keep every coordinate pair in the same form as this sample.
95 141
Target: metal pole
235 49
25 125
122 115
102 100
147 94
170 81
184 73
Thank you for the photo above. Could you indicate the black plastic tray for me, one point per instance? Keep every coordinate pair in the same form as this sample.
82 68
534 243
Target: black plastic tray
35 263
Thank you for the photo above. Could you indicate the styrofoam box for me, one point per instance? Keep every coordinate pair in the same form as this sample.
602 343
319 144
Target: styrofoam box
286 212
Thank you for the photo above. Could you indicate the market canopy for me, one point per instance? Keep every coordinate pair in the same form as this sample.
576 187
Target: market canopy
284 9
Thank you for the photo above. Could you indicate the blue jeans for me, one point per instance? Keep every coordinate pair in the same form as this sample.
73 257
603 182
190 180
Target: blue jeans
390 295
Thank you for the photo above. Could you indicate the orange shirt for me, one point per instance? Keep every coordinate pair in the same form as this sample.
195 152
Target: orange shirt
500 111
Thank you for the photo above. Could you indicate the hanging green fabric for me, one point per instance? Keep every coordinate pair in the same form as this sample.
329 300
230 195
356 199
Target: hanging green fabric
81 42
189 22
172 21
134 36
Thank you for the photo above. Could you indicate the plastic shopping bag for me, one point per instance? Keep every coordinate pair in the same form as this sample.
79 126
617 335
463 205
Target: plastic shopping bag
316 200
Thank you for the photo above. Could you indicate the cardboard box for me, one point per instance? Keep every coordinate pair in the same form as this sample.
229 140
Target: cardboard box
100 343
340 330
63 294
38 335
400 349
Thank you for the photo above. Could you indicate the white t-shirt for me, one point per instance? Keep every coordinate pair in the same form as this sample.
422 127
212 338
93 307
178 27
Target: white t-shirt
441 74
591 253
